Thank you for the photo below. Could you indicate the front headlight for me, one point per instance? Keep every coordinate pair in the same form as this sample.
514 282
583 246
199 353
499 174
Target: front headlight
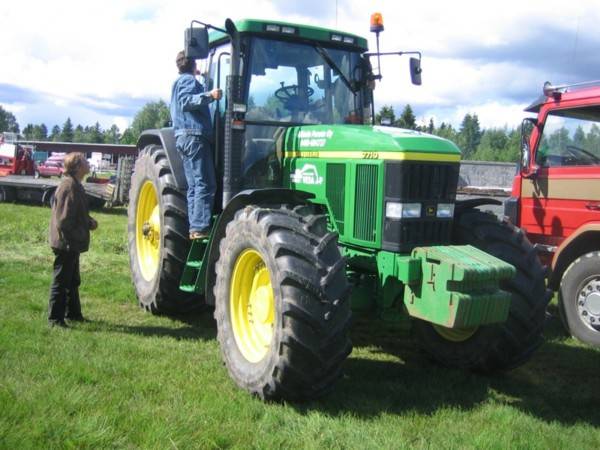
394 210
445 210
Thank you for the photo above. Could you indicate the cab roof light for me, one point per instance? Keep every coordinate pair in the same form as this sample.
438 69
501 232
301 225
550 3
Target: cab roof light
273 28
337 38
288 30
348 40
376 22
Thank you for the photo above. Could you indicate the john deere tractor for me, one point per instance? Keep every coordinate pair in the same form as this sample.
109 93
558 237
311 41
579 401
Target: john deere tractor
319 213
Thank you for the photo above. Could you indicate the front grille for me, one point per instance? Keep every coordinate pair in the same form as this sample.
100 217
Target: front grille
424 183
336 190
365 210
418 181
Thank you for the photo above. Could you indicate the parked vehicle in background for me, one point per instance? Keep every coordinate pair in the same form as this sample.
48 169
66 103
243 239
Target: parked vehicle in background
15 159
556 199
49 169
53 166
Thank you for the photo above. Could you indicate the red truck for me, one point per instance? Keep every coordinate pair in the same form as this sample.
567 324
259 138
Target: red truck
15 159
555 199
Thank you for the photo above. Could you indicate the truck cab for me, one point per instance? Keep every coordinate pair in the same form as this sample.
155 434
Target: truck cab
14 158
556 198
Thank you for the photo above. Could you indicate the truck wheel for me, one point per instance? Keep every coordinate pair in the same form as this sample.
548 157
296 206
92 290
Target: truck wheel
282 307
579 296
36 174
157 231
501 346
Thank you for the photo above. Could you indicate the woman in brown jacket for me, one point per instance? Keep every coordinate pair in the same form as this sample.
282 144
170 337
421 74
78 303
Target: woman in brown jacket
70 227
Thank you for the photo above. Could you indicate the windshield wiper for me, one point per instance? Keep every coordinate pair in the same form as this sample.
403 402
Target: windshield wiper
325 55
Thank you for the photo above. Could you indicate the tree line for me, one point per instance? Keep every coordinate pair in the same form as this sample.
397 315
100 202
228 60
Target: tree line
152 115
475 142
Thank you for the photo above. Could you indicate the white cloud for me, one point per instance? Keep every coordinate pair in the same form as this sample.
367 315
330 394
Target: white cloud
84 55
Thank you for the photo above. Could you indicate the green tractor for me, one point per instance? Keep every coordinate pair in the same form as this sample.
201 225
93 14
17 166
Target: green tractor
319 214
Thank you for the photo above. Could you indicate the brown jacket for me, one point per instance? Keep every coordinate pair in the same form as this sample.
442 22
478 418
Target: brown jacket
70 222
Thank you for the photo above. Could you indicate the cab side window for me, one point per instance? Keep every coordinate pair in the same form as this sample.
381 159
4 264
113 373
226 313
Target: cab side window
570 138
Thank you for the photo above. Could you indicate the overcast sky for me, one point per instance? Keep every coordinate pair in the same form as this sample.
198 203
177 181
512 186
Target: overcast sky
103 60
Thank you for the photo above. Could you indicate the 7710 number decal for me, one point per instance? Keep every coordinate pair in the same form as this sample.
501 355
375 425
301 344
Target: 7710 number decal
370 155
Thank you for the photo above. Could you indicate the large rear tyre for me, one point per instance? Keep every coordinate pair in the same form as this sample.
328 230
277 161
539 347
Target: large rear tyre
157 230
502 346
282 306
579 296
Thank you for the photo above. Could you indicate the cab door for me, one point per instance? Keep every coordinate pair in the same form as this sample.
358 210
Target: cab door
564 192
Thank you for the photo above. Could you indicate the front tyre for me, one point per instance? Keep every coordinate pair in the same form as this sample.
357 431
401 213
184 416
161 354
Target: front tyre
282 306
157 231
502 346
579 296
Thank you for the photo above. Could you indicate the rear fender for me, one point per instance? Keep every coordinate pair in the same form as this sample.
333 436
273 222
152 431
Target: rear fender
165 137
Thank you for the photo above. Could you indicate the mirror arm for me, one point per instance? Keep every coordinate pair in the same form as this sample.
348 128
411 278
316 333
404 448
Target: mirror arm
207 25
393 53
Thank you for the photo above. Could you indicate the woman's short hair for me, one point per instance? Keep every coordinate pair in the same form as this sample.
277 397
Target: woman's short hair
184 64
73 161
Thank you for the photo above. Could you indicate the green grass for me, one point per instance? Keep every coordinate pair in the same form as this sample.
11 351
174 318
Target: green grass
131 380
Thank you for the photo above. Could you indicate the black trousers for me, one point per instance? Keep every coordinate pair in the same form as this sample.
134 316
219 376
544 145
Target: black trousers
64 291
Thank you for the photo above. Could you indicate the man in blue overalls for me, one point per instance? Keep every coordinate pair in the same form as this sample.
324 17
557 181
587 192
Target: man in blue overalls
193 134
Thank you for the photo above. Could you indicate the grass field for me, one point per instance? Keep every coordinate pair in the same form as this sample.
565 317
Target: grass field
131 380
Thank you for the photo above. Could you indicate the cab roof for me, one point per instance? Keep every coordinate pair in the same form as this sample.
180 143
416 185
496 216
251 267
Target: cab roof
579 91
276 28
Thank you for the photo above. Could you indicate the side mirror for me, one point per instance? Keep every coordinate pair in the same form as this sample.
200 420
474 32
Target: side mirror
196 43
415 71
525 155
527 127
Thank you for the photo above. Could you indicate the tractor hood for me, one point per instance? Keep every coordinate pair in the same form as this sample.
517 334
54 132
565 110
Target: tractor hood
374 140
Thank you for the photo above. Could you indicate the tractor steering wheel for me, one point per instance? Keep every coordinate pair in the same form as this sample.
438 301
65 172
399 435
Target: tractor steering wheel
290 96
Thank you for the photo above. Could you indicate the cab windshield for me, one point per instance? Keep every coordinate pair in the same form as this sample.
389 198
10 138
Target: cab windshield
571 137
304 84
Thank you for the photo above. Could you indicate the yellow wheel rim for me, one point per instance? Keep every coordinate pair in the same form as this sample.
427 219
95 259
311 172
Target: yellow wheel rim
147 224
252 306
455 334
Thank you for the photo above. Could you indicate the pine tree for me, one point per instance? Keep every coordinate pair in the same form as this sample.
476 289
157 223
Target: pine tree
112 135
28 131
40 132
66 133
55 135
469 135
79 134
407 119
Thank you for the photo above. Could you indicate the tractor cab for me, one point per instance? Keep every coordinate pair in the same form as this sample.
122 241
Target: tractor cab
285 75
278 75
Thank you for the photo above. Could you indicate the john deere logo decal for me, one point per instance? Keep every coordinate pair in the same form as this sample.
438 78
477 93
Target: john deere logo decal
307 175
430 211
